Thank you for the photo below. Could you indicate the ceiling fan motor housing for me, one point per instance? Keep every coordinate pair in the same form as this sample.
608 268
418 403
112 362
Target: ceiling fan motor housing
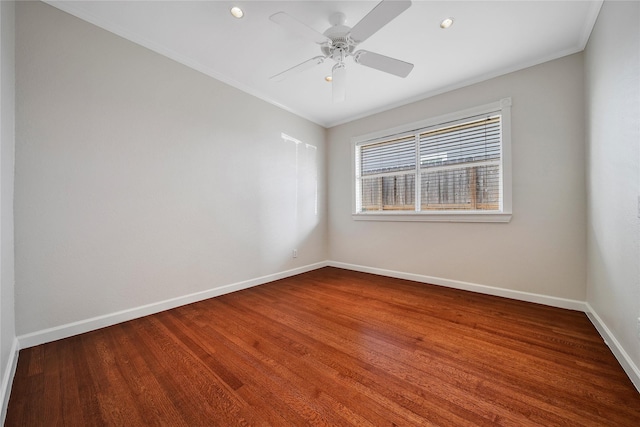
340 40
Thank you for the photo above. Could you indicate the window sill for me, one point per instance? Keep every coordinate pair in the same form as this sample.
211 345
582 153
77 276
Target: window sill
455 216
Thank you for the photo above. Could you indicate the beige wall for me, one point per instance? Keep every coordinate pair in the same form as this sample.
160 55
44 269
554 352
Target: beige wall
139 180
612 64
7 143
543 249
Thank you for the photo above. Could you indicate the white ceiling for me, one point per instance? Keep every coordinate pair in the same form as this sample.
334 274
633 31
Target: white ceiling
488 38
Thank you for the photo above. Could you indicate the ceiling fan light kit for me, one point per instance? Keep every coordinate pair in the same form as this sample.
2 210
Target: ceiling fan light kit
339 42
338 82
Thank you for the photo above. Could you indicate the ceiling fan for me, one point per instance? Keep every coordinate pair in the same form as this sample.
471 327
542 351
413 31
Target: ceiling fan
339 42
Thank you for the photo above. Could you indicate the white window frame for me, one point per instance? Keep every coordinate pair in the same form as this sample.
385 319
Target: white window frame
504 214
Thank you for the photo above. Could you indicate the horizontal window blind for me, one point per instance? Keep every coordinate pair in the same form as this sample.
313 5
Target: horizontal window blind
389 156
469 142
451 164
460 166
388 175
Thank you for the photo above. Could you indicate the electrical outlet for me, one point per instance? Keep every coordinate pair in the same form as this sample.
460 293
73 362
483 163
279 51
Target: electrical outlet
295 253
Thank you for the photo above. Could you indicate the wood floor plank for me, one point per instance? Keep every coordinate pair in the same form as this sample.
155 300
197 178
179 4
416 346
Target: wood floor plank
208 401
29 408
317 378
340 345
332 348
145 389
114 396
86 385
263 399
303 396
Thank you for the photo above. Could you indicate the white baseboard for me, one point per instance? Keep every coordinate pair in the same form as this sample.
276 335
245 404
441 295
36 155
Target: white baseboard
75 328
630 368
87 325
7 379
466 286
80 327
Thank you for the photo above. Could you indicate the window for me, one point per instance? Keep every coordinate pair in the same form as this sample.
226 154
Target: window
450 168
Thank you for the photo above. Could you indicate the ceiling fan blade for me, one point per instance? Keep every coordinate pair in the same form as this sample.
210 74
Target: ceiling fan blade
301 29
310 63
383 63
339 82
381 15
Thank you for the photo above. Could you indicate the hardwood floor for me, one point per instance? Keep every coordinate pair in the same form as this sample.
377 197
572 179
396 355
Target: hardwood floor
331 347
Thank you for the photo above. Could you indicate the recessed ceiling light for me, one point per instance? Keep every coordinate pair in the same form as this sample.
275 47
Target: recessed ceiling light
237 12
446 23
328 78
